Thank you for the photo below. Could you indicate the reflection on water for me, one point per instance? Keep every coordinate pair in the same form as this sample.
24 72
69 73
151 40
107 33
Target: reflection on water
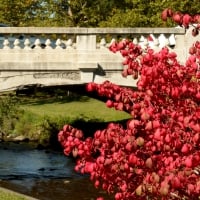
43 174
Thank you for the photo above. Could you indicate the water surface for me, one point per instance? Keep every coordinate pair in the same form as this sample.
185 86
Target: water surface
43 174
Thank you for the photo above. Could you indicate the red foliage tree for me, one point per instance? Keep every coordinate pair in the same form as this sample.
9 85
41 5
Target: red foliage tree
182 19
158 154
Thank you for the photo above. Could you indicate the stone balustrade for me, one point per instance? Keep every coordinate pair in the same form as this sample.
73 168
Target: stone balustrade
86 38
76 55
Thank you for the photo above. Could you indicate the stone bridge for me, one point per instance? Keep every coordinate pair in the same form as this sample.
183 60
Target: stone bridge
67 56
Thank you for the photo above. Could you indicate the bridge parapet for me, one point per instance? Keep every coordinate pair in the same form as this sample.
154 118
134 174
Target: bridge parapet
85 38
52 55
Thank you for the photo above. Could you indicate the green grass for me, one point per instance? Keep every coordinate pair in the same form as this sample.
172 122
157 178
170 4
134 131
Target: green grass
9 195
45 115
41 116
88 108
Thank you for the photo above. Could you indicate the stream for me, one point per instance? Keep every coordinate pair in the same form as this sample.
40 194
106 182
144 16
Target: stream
44 174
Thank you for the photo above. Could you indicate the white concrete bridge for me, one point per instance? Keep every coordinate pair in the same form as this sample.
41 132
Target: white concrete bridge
66 56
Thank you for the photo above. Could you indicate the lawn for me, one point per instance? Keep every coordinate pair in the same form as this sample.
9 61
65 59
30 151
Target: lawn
89 108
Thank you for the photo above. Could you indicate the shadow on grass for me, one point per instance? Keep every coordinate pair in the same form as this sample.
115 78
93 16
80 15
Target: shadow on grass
52 94
57 94
40 100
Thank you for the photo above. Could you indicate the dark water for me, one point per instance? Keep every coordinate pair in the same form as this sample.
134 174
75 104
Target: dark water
43 174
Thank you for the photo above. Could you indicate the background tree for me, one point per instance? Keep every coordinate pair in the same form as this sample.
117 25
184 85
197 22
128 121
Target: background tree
91 13
17 13
28 12
86 13
146 13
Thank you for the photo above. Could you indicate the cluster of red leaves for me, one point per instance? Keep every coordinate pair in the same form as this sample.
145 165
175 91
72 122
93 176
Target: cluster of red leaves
158 154
182 19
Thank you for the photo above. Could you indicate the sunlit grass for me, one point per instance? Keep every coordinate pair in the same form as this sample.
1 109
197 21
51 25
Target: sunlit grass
88 108
38 117
9 195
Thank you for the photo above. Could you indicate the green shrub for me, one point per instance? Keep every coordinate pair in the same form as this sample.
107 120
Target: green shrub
9 113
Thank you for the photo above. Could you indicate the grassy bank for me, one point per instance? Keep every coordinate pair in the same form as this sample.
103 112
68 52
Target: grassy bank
6 194
41 116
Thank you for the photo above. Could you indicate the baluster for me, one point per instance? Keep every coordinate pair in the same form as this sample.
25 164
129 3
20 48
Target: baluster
113 40
172 41
48 44
163 41
141 38
16 44
6 44
37 44
102 43
69 44
58 44
143 42
27 44
135 41
153 36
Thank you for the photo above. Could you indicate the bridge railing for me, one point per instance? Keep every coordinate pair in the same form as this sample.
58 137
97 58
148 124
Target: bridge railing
90 39
86 38
53 55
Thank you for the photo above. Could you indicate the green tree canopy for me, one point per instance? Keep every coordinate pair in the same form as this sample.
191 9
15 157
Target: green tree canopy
91 13
146 13
17 13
